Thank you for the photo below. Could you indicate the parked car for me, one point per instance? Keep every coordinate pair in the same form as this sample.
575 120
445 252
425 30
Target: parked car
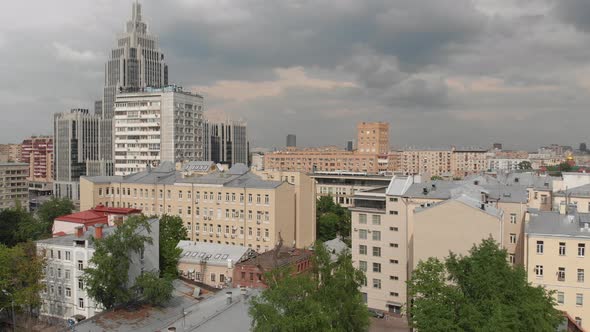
376 313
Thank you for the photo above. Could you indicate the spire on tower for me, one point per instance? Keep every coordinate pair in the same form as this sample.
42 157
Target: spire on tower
136 12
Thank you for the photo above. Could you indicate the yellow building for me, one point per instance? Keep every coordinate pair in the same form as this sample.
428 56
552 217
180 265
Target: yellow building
395 227
556 259
233 207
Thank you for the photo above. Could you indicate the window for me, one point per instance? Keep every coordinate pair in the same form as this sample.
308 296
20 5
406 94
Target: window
68 256
362 250
393 294
59 272
377 283
394 261
581 249
212 277
376 219
540 247
512 258
580 275
363 266
377 251
513 218
362 218
561 248
560 297
80 284
395 229
67 274
68 292
512 238
395 213
539 271
59 254
81 303
59 291
80 265
266 199
393 199
394 245
393 278
376 236
578 321
561 274
579 299
377 267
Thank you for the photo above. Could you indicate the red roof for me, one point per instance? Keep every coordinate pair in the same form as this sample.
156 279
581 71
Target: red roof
97 215
58 234
113 210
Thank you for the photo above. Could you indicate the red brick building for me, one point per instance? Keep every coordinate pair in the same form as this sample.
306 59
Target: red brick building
38 153
250 273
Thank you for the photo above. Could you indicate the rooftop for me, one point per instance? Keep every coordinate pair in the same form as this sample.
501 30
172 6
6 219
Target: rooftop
470 201
552 223
238 176
186 312
270 259
212 253
581 191
97 215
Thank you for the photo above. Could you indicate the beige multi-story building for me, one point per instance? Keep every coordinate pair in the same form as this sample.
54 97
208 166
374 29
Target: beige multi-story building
446 163
233 207
10 152
395 227
327 159
373 138
555 253
14 188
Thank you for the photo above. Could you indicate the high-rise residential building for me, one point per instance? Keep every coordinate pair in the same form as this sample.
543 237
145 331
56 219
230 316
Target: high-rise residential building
373 137
75 142
291 141
233 207
349 145
10 152
134 64
163 124
497 146
14 188
226 141
37 151
327 159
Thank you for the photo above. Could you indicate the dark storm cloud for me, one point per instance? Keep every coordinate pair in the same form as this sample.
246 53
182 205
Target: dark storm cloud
441 72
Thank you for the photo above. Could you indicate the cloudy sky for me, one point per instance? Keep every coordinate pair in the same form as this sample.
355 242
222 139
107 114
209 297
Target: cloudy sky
440 71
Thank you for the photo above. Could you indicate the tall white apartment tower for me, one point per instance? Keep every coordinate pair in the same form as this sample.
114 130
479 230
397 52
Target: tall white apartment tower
156 125
134 64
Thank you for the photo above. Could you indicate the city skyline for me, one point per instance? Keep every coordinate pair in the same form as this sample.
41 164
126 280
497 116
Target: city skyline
472 74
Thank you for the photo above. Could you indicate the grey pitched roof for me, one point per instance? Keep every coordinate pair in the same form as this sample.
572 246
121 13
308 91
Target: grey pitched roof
335 247
212 253
552 223
581 191
469 201
240 177
449 189
198 166
399 185
68 240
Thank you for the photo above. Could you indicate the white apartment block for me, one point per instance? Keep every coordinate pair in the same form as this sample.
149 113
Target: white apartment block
157 125
67 256
504 164
13 185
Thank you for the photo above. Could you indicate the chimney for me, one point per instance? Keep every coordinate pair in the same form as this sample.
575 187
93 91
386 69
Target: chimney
80 231
98 231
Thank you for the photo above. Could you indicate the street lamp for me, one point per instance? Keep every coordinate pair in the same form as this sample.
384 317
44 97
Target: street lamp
12 302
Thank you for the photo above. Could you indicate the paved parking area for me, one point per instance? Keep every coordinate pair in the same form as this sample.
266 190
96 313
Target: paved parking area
389 324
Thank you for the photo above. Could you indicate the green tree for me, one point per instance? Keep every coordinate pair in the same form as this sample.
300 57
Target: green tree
565 167
478 292
21 271
325 299
53 208
14 223
107 280
435 178
153 289
331 219
525 165
172 230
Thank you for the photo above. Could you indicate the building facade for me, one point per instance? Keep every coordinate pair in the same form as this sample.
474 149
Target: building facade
65 294
446 163
327 159
10 152
373 138
233 207
291 141
342 186
157 125
14 188
37 151
134 64
76 141
226 141
556 244
505 164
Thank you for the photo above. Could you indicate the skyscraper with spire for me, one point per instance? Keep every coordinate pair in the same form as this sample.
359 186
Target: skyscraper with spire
134 64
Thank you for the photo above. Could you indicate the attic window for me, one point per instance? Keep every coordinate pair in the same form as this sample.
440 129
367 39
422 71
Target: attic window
516 180
476 183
